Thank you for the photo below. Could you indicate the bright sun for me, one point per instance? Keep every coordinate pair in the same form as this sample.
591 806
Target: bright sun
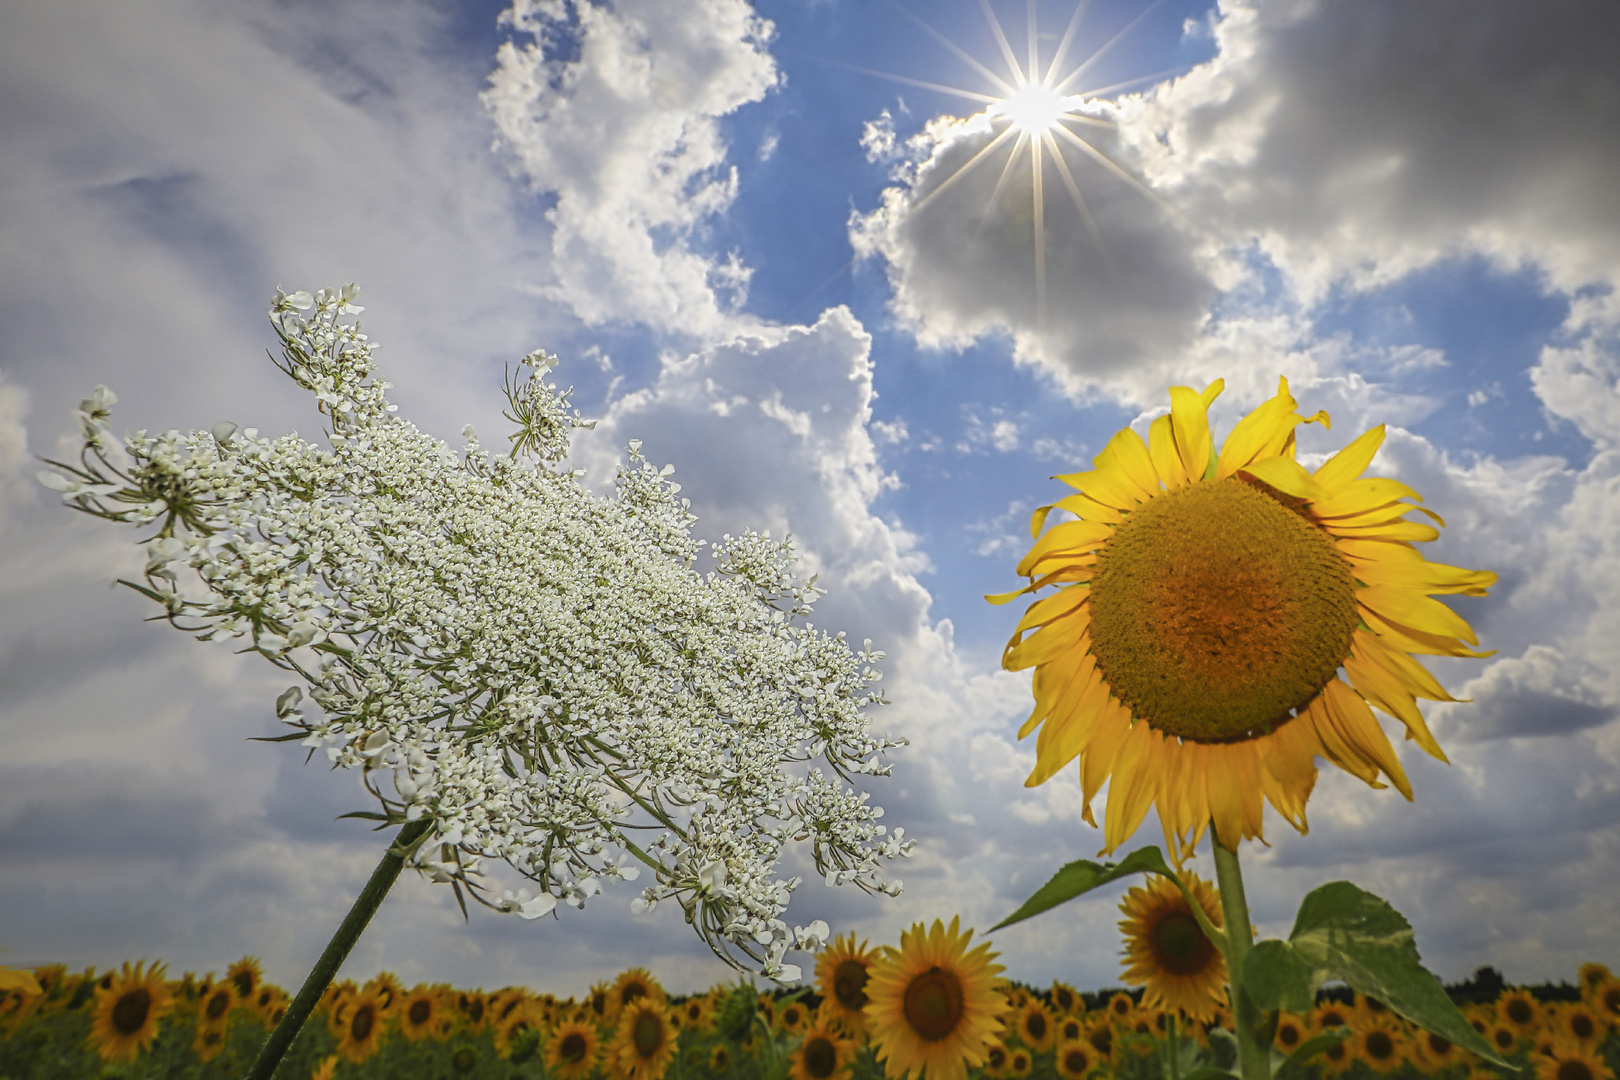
1035 110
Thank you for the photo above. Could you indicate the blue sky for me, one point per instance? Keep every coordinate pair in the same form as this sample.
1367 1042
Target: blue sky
713 213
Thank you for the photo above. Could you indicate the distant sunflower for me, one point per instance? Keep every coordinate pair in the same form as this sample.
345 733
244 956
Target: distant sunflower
387 990
824 1053
326 1069
645 1043
521 1025
632 985
1034 1025
792 1017
1330 1015
245 975
719 1060
1075 1060
1604 999
1569 1061
1291 1031
1167 952
1519 1010
1066 1000
1379 1045
208 1042
1504 1038
695 1013
1071 1029
362 1027
934 1004
1436 1052
473 1008
1019 1062
127 1009
1593 973
1205 604
418 1012
215 1004
841 973
1579 1023
571 1053
1100 1035
598 1001
995 1060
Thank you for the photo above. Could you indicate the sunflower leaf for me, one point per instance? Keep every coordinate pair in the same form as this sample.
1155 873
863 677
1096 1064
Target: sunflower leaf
1344 932
1307 1050
1082 876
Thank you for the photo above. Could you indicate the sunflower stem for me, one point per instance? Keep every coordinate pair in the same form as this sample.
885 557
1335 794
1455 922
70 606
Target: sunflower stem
337 950
1254 1057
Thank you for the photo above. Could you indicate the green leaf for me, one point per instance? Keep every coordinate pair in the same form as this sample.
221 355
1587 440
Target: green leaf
1309 1049
1344 932
1082 876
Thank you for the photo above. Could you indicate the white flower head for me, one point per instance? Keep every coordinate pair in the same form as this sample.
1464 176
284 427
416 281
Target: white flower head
539 670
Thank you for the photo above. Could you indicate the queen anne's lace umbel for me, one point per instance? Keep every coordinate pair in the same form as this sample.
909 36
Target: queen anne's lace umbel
537 670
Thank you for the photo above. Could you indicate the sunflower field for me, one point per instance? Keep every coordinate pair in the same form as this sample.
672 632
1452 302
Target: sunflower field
138 1023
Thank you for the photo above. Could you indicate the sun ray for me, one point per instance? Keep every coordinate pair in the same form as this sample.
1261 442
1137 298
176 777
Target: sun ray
1034 43
961 53
1006 46
1074 75
1001 185
965 167
1039 195
1080 205
923 84
1068 39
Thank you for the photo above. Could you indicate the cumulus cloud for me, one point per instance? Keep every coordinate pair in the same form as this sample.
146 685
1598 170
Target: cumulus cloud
1125 288
1359 142
625 134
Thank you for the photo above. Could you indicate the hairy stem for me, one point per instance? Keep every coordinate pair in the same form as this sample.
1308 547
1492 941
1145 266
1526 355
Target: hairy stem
1254 1056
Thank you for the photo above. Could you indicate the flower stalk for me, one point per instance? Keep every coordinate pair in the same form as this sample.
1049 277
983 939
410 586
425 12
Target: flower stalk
337 950
1249 1024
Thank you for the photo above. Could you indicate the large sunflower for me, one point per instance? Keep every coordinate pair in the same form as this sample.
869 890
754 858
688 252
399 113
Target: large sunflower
128 1007
1167 952
934 1004
1206 603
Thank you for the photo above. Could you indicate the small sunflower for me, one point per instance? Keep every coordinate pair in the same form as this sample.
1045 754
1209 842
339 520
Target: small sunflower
598 1000
995 1060
208 1042
1206 601
632 985
645 1043
1436 1052
215 1005
824 1053
792 1017
1379 1044
1579 1023
1504 1038
1291 1031
326 1070
474 1008
1071 1029
362 1027
720 1060
933 1004
1120 1006
1330 1015
1066 1000
387 990
1569 1061
506 1002
1019 1062
1167 952
245 975
696 1013
1519 1010
1593 973
571 1053
1604 1000
841 973
522 1024
419 1012
127 1009
1075 1060
1034 1025
1100 1036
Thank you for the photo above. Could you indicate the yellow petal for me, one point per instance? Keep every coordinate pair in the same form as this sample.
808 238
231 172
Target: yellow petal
1130 794
1334 745
1359 496
1111 487
1413 675
1127 455
1166 460
1351 462
1286 475
1052 607
1098 761
1189 423
1413 609
1386 691
1400 529
1056 686
1411 640
1087 508
1358 724
1066 737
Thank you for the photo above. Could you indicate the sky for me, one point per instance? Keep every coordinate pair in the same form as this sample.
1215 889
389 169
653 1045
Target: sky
748 233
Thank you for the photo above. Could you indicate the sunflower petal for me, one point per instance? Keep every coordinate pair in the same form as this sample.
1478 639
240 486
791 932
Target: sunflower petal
1386 691
1411 608
1334 746
1130 794
1359 496
1351 462
1358 724
1128 456
1166 460
1050 608
1189 423
1070 536
1286 475
1101 754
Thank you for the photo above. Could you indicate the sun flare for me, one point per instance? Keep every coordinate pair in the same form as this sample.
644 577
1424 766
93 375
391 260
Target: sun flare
1037 115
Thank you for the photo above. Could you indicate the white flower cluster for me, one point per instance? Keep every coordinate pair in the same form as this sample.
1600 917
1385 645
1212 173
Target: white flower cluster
536 671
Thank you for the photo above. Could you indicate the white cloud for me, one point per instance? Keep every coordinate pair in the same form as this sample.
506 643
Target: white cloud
1120 303
1359 142
626 136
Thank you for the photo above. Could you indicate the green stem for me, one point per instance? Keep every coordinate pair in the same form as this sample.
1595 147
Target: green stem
1254 1057
337 950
